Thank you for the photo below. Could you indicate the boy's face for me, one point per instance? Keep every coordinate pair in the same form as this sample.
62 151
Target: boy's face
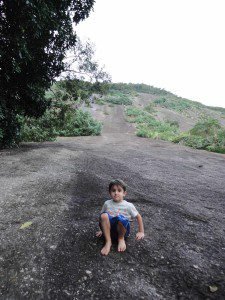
117 193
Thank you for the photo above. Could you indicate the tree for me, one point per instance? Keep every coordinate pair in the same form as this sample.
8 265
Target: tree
81 64
34 37
82 75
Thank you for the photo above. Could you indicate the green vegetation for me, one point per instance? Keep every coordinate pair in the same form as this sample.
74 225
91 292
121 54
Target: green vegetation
157 130
149 127
100 101
150 108
177 103
63 117
117 97
138 88
207 134
137 115
37 130
164 98
75 90
50 125
34 37
173 123
215 108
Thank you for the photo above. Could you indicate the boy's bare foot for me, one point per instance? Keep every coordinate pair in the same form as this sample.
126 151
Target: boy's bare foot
121 245
106 249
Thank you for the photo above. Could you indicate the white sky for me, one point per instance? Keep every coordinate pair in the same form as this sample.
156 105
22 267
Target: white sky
177 45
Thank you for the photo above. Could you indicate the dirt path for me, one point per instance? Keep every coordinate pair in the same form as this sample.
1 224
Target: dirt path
61 186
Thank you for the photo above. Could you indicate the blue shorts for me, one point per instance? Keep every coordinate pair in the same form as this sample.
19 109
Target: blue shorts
113 223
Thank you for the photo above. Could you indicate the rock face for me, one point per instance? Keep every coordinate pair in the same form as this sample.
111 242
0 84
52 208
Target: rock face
60 187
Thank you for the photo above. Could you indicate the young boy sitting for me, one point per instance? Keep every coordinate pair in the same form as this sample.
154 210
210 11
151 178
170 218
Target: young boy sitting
115 218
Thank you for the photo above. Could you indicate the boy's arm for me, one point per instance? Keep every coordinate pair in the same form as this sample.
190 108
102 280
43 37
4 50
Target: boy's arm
140 235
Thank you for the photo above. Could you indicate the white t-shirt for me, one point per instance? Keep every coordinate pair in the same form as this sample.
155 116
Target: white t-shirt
124 208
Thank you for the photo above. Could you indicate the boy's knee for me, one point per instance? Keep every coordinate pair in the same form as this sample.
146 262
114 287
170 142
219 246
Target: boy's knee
104 217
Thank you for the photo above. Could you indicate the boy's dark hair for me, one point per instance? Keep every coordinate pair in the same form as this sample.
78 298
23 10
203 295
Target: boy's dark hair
117 182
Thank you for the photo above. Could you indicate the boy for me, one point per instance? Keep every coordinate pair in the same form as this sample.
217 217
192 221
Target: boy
115 218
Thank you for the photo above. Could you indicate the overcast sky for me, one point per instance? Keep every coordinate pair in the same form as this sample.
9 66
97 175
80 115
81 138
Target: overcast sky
177 45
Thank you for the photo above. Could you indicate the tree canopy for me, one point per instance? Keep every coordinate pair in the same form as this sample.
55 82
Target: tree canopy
34 37
81 64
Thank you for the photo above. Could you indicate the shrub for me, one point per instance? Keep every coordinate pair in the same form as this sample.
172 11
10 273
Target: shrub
49 126
100 101
144 118
160 131
143 131
80 123
133 111
206 127
117 97
193 141
38 129
137 115
149 127
221 137
150 108
206 134
172 123
160 101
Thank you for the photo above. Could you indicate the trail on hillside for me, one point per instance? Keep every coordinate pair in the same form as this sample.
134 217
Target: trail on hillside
61 186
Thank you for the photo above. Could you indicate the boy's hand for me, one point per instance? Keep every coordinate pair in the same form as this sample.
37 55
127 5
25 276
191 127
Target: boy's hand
99 233
140 235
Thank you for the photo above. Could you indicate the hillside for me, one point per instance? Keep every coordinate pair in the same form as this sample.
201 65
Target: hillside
168 106
158 114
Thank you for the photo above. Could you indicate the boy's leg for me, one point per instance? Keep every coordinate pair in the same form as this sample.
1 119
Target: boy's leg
121 234
105 225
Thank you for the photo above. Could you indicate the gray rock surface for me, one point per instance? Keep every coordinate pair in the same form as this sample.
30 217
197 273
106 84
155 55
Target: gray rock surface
61 186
